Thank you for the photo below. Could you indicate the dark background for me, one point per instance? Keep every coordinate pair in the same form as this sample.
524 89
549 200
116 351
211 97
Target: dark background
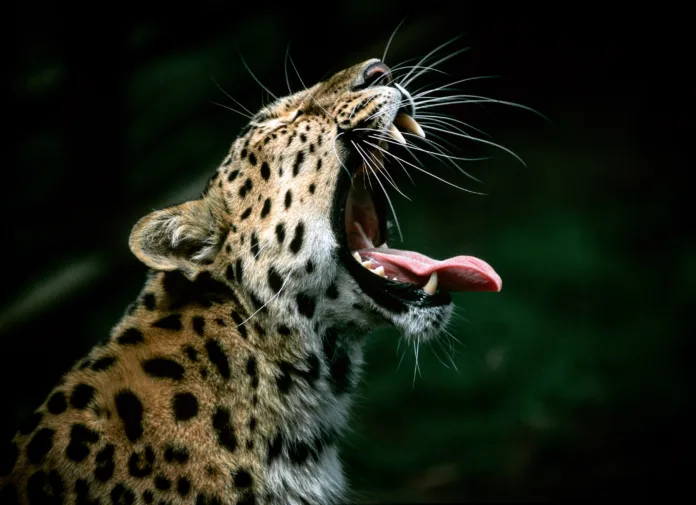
571 383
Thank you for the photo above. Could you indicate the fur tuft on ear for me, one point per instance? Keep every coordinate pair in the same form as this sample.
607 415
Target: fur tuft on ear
183 237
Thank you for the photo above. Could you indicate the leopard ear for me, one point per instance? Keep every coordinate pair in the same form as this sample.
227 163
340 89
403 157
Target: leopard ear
183 237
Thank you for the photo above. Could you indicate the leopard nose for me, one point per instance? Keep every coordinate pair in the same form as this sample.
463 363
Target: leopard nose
377 71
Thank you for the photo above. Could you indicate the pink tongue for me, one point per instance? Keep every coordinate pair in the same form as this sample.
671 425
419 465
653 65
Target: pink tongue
461 273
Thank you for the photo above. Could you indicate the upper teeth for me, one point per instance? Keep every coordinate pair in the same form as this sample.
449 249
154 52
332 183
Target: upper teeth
396 134
407 123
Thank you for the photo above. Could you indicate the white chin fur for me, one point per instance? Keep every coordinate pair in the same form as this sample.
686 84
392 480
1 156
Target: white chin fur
421 324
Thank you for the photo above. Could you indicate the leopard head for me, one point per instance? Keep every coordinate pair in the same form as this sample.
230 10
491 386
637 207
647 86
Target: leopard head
296 215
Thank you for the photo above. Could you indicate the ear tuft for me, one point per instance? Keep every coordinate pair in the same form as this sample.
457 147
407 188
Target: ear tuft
183 237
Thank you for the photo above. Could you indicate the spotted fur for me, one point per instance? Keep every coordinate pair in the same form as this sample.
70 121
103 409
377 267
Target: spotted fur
229 380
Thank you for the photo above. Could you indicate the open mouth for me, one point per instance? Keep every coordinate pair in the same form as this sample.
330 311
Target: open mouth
393 278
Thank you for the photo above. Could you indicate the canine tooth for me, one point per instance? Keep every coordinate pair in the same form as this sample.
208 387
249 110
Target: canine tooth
384 246
380 271
431 286
357 257
408 123
367 264
396 134
395 279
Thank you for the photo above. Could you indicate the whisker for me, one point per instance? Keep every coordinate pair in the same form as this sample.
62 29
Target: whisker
411 145
431 175
445 120
477 140
466 99
256 78
432 348
450 354
285 68
447 87
384 55
441 60
395 71
400 66
365 162
261 249
384 171
430 54
447 142
449 158
416 349
305 87
337 157
403 354
358 104
396 219
401 164
264 305
440 154
232 98
232 109
451 335
383 112
391 206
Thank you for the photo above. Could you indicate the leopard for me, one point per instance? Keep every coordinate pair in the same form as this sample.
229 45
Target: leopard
229 380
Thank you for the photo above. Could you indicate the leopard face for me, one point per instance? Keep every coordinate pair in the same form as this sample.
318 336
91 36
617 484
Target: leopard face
296 215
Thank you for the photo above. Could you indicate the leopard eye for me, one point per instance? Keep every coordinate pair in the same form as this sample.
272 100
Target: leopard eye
283 120
293 115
